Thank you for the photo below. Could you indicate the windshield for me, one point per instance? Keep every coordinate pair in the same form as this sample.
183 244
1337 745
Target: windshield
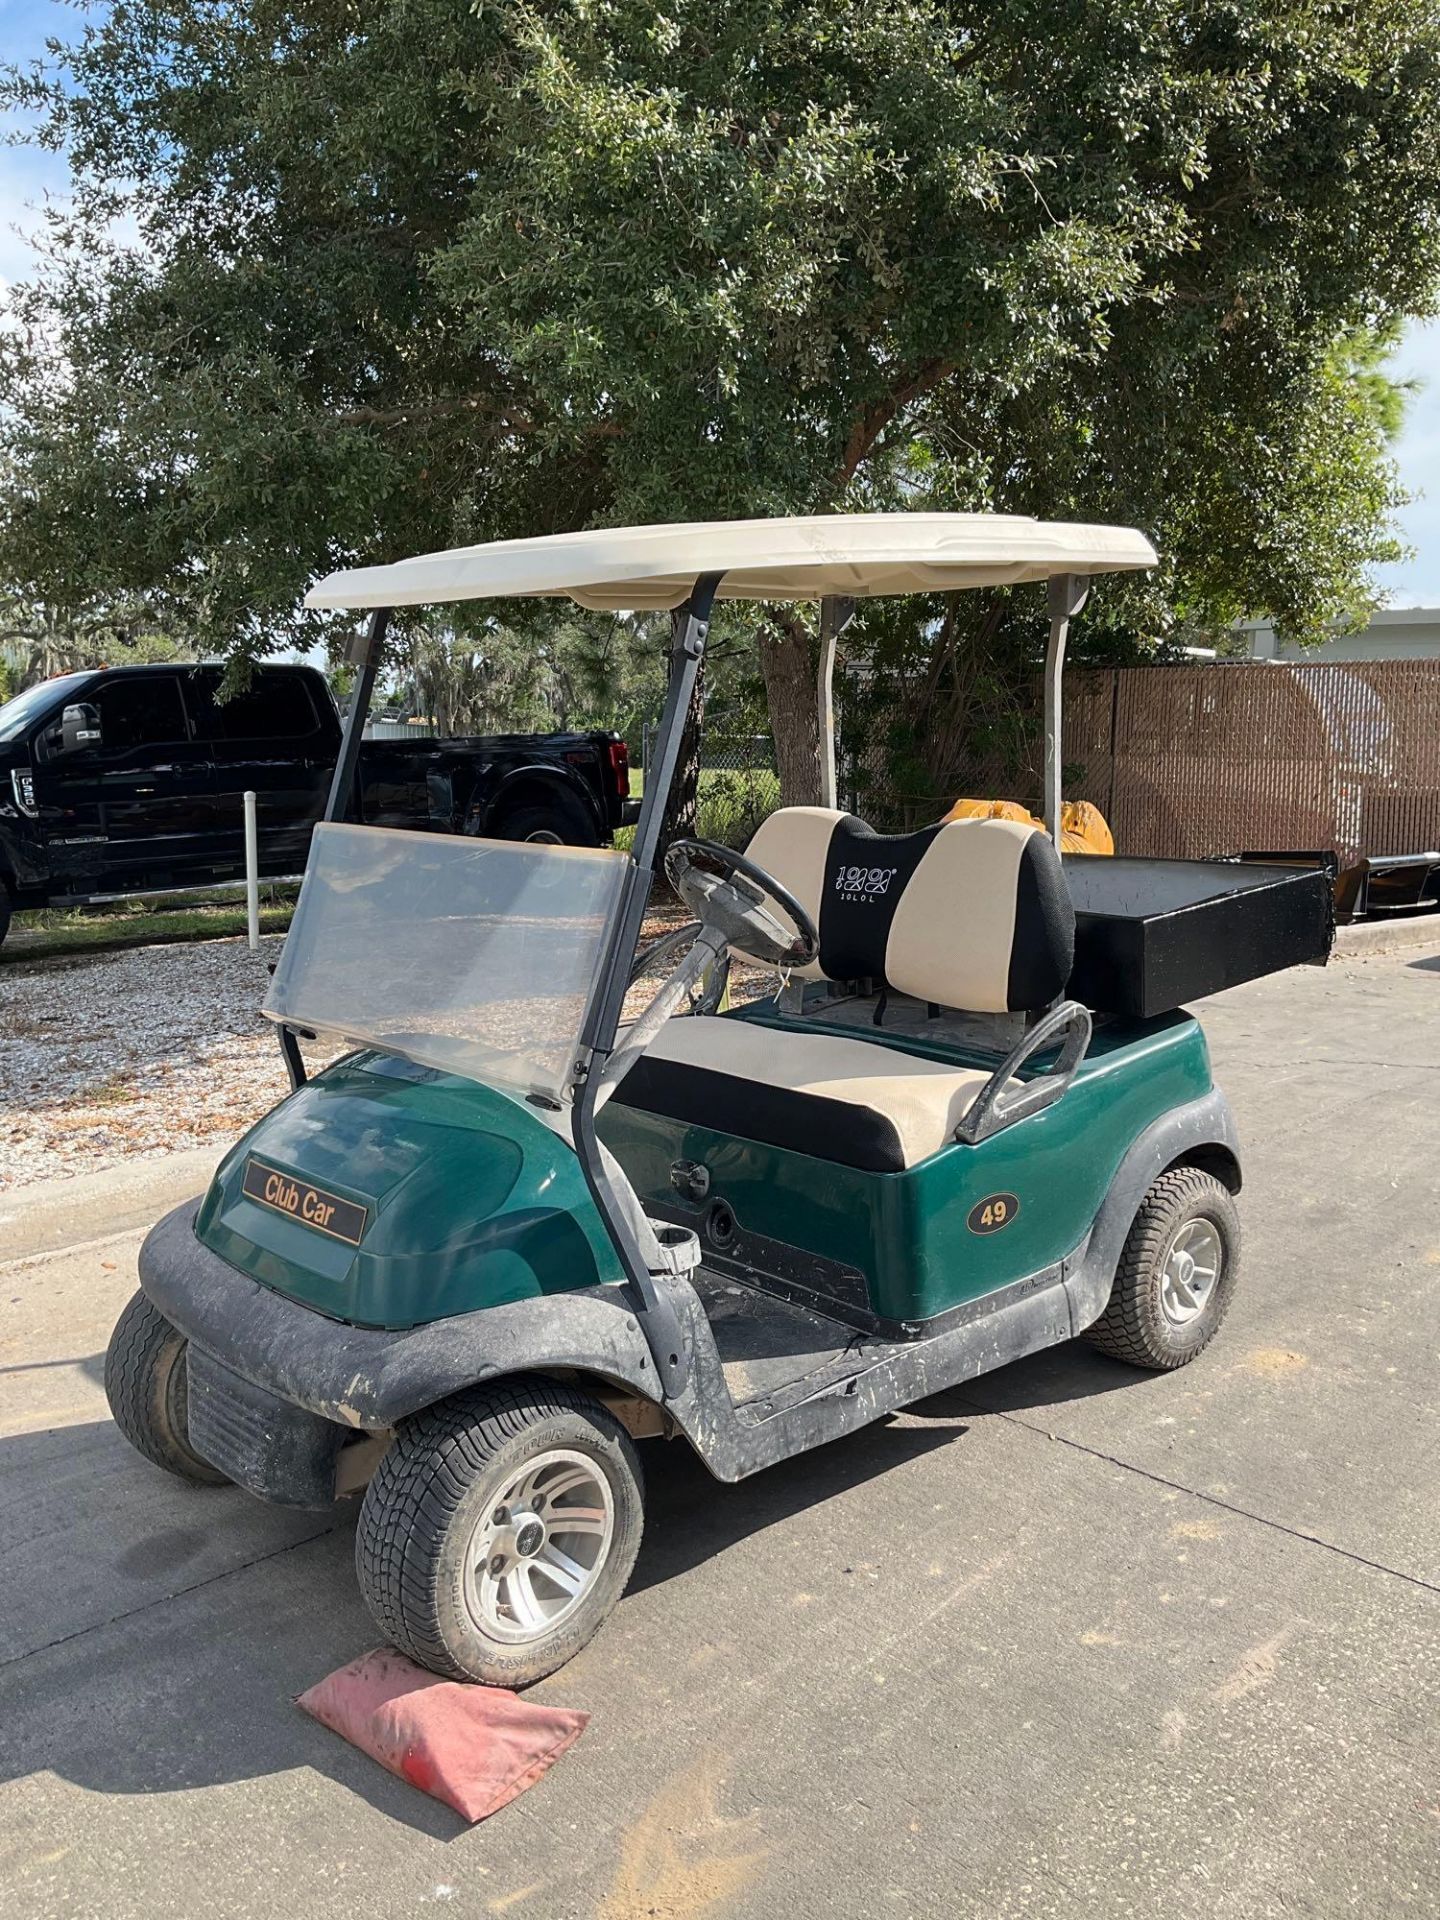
475 956
17 714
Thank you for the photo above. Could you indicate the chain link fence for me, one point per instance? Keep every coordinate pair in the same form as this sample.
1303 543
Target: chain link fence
889 776
1185 762
738 782
1188 762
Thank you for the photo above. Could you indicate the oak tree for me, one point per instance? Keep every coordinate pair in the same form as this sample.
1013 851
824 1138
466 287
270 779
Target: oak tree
396 275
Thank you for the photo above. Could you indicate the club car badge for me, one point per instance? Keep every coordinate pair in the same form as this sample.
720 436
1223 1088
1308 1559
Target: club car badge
325 1212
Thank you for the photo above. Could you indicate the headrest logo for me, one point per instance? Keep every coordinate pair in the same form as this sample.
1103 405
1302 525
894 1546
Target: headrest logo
856 883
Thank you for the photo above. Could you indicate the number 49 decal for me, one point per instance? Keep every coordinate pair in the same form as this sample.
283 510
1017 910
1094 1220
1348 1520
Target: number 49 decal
992 1213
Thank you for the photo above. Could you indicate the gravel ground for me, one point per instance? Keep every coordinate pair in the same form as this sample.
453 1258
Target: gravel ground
132 1055
119 1056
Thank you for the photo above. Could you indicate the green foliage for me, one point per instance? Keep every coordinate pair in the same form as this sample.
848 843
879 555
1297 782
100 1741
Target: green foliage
341 680
562 667
570 670
45 640
412 274
733 801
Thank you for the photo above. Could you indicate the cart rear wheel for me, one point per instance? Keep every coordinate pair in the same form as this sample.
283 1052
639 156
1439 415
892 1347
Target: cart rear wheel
499 1530
148 1390
1176 1274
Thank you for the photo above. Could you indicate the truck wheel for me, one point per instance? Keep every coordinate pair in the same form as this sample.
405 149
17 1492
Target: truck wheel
147 1387
1176 1275
499 1530
557 821
5 911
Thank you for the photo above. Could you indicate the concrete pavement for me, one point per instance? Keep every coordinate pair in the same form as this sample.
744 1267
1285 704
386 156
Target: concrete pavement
1074 1641
65 1214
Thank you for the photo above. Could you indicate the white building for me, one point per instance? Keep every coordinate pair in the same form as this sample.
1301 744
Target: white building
1398 633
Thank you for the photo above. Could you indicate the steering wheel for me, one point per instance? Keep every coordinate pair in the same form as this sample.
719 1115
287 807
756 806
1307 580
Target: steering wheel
730 893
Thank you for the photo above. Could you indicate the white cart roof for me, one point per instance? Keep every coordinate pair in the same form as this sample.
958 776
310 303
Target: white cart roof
856 554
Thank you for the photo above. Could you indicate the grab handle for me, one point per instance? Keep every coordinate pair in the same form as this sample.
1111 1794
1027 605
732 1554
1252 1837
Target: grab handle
997 1106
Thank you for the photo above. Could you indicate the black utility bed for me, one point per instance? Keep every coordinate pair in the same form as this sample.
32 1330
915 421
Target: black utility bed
1152 935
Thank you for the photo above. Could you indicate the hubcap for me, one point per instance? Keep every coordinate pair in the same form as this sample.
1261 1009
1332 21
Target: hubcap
1189 1271
539 1547
529 1536
545 837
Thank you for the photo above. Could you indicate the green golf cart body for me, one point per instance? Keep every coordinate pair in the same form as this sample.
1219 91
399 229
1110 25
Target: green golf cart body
455 1228
518 1225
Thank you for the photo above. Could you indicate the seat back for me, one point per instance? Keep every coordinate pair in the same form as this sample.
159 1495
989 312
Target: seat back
972 914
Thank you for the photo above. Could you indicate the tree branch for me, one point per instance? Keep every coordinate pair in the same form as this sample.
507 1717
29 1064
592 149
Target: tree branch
502 416
874 420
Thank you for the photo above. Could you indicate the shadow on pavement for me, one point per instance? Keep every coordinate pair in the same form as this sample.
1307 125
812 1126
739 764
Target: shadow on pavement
1060 1374
207 1614
214 1612
690 1517
92 1365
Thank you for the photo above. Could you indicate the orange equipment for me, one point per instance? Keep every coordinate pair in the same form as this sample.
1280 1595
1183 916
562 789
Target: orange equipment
1082 825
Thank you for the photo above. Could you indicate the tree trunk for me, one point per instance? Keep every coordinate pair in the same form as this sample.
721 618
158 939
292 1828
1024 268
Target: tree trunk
682 803
787 661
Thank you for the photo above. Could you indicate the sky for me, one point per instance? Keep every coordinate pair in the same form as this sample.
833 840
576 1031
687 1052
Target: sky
27 175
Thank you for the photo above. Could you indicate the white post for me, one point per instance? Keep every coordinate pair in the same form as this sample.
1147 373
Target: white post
252 874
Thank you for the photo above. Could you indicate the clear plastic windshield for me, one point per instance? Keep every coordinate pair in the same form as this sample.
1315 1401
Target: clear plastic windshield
475 956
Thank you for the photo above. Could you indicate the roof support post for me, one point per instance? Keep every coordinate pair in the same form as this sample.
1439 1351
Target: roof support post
1067 592
835 616
651 1306
685 656
363 653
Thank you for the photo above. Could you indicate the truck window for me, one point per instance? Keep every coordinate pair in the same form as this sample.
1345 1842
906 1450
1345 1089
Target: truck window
37 702
140 713
275 706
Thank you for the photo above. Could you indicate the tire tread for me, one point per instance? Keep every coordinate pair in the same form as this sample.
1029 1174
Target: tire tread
147 1404
418 1488
1122 1330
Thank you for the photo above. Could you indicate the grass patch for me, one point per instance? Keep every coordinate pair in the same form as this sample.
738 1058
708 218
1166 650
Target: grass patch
55 932
112 1093
730 804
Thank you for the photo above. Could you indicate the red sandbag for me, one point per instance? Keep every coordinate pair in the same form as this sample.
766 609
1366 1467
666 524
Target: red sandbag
475 1748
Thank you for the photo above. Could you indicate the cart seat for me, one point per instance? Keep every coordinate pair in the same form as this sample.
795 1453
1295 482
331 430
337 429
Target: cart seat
858 1103
969 914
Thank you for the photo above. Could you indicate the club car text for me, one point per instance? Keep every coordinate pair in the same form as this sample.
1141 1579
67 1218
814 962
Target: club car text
326 1212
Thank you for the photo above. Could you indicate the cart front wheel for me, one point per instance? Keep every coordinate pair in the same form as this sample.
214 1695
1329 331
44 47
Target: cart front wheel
1176 1275
148 1390
499 1531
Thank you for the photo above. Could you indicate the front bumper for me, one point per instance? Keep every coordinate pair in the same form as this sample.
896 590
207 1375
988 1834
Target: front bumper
367 1378
276 1451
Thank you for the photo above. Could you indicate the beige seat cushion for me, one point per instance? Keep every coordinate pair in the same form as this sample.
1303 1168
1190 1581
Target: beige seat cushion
856 1102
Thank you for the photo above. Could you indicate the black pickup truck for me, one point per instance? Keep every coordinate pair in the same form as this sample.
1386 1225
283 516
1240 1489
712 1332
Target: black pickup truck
131 780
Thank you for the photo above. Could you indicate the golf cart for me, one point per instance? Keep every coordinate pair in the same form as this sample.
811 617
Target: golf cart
518 1228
